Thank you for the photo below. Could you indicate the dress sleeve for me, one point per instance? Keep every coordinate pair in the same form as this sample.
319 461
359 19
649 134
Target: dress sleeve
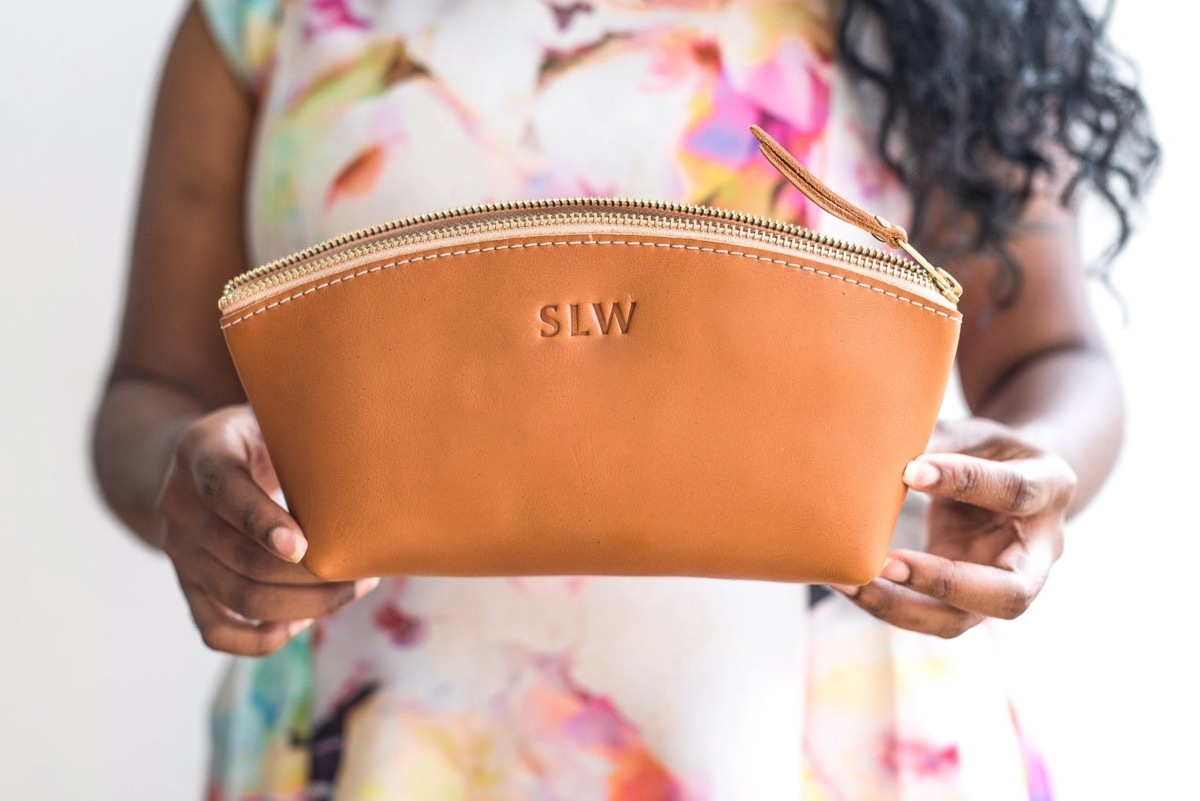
246 32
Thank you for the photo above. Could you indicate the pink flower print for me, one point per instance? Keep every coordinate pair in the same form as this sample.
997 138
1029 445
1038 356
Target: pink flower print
793 86
585 737
682 60
1036 774
323 16
358 177
402 629
640 777
917 759
722 136
594 722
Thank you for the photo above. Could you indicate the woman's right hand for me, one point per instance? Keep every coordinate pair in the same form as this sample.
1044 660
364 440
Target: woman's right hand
235 550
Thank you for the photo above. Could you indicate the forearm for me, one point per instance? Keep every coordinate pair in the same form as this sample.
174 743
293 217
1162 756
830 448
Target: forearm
1067 401
135 433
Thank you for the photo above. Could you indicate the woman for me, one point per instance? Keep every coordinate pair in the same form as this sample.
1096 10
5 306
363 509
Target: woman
280 124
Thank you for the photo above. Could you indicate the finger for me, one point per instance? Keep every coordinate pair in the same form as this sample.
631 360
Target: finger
222 630
248 558
901 607
1020 487
235 550
272 602
1003 590
224 482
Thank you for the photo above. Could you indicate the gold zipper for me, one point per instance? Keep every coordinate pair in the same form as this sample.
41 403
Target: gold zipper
562 211
610 211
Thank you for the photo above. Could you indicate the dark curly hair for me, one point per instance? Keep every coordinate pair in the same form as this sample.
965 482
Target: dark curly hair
981 97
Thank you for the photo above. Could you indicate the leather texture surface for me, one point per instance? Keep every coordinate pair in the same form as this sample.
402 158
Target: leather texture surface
750 419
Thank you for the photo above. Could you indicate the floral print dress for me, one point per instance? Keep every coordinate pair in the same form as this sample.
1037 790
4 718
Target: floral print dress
580 688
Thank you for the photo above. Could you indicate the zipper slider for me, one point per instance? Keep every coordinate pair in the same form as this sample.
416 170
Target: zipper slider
893 236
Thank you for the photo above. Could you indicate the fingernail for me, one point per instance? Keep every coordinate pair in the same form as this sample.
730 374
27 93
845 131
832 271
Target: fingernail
846 589
363 586
288 544
297 626
919 474
896 571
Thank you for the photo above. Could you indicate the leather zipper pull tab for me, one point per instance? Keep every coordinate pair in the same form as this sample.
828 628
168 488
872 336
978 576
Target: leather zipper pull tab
893 236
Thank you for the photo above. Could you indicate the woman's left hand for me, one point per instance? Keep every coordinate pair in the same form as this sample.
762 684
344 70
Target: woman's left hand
994 530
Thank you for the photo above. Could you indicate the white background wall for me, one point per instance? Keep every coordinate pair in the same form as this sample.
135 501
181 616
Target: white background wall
103 684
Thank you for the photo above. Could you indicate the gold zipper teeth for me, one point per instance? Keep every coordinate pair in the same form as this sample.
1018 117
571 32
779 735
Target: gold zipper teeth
594 210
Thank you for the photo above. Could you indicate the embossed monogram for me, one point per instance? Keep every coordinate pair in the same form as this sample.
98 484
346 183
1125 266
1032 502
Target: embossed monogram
616 320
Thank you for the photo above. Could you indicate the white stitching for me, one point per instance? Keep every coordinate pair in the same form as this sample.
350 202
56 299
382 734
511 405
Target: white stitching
516 245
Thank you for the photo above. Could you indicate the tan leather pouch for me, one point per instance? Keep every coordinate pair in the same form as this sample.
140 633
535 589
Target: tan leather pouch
596 387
